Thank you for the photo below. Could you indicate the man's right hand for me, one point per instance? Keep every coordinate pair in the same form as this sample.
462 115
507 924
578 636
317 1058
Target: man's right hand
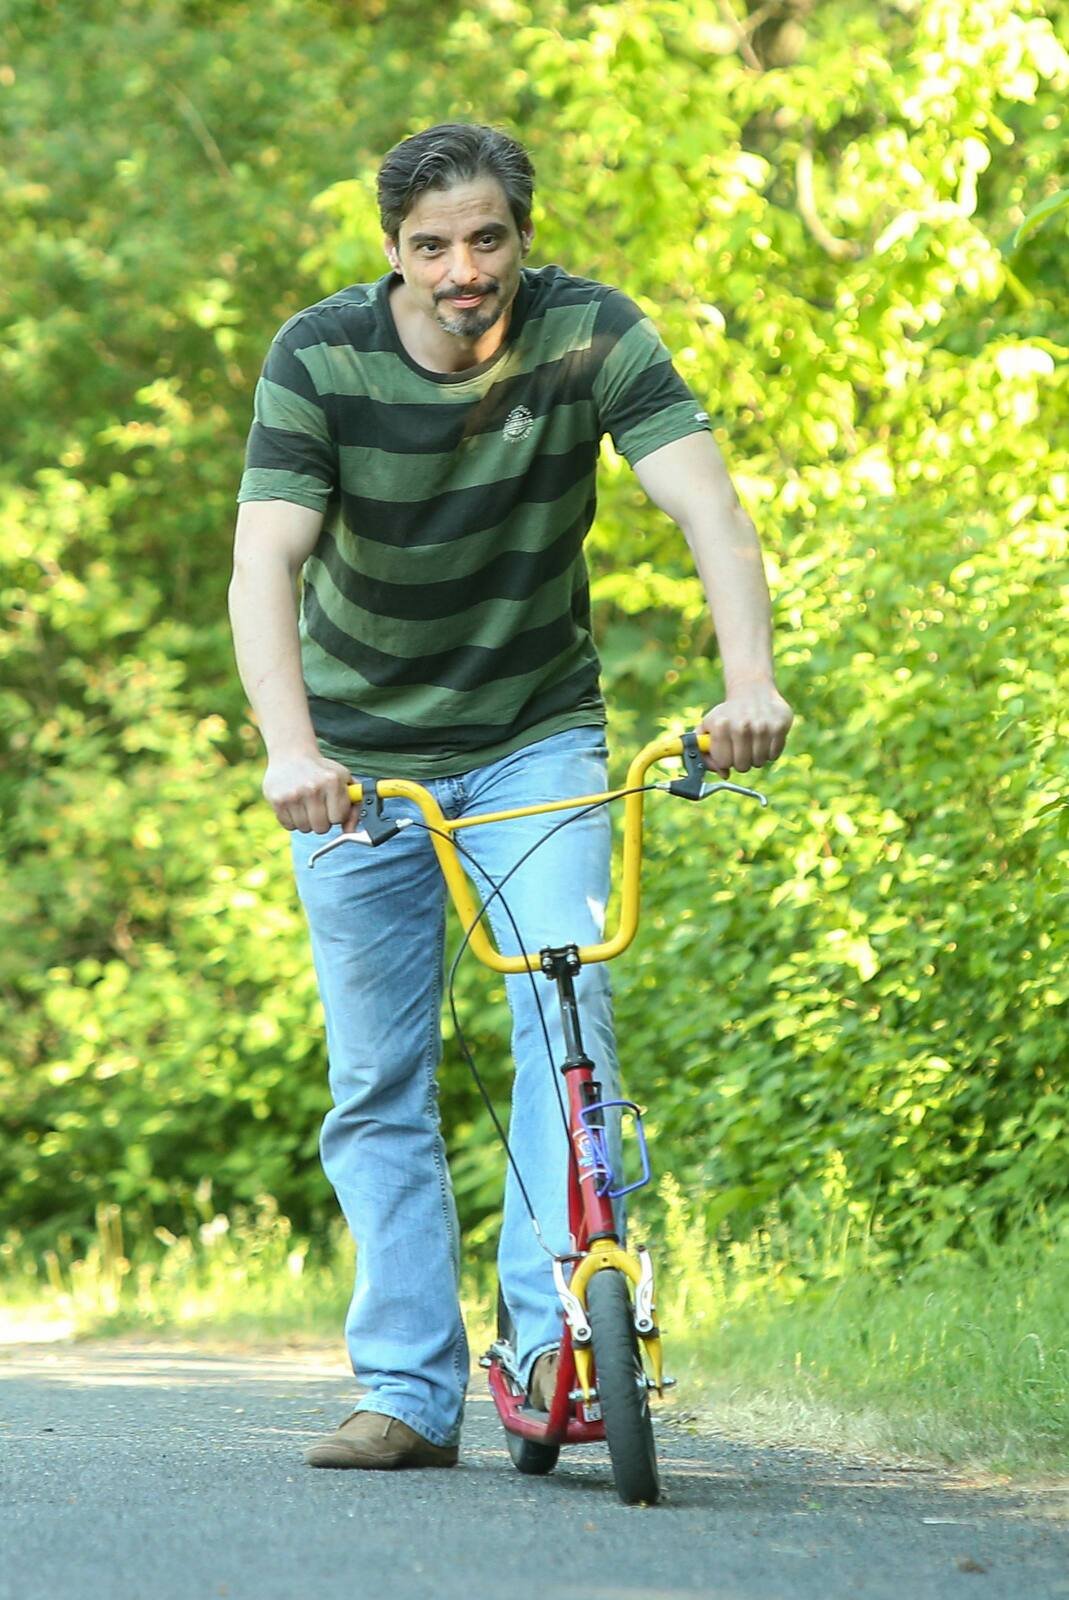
308 793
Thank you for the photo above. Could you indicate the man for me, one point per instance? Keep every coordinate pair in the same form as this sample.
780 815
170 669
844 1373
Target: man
423 455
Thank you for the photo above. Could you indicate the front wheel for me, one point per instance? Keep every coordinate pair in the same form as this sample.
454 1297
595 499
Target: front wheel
622 1388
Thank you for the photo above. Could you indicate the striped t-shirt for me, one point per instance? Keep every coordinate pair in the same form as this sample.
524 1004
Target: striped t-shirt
445 610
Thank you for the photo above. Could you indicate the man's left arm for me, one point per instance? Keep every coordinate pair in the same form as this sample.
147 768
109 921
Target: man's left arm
689 481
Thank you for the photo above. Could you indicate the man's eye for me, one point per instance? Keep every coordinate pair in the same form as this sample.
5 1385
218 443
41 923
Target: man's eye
489 240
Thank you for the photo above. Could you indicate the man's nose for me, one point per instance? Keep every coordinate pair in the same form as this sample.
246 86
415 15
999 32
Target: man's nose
464 269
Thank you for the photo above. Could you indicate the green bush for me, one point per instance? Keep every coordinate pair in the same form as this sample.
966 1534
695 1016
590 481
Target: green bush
859 995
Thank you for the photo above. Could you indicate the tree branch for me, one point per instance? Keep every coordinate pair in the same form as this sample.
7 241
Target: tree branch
742 34
838 249
201 132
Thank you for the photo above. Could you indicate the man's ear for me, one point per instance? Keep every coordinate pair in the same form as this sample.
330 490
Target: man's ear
390 247
526 239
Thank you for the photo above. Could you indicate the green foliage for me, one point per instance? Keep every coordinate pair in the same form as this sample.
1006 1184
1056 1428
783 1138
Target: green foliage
229 1276
850 226
807 1338
1039 215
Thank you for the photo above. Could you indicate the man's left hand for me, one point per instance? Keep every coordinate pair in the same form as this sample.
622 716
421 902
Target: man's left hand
747 729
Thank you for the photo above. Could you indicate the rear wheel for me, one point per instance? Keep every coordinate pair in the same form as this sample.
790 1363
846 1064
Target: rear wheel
622 1388
528 1455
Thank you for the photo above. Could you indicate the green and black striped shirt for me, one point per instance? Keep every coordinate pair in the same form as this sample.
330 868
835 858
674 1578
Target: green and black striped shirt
445 611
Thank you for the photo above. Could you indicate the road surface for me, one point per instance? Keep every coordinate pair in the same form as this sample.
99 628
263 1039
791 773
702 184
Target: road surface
145 1472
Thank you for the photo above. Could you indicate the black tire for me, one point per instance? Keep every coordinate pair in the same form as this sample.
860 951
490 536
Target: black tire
534 1460
621 1382
528 1456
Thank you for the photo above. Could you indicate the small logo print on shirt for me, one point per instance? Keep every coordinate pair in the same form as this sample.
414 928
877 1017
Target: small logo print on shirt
518 423
701 416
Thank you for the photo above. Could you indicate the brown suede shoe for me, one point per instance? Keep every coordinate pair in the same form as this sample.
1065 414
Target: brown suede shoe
368 1439
543 1380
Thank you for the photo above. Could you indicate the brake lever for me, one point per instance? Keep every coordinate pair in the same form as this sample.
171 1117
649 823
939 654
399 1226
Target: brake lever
734 788
693 785
372 827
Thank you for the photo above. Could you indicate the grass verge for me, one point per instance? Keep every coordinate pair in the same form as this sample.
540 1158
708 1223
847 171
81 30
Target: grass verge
961 1361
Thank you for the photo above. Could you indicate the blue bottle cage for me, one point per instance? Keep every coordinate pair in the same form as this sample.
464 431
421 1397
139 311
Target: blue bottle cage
604 1175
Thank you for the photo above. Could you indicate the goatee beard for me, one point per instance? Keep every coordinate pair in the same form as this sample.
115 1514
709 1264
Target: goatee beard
468 324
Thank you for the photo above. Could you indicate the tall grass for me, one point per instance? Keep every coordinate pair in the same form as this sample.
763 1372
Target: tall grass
812 1340
963 1358
235 1276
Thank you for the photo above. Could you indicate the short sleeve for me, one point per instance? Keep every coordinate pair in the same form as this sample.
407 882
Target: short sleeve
641 400
290 453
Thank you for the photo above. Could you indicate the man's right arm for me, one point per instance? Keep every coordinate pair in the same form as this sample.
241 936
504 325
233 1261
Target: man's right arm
307 791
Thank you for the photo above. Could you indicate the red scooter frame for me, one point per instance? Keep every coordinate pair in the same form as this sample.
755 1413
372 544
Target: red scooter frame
590 1219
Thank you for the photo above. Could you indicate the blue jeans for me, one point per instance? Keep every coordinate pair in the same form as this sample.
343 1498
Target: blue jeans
377 919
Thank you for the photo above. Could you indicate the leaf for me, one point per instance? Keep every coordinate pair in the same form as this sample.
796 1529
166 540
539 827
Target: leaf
1039 215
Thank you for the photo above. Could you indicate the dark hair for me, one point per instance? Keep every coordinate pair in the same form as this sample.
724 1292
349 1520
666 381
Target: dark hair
451 153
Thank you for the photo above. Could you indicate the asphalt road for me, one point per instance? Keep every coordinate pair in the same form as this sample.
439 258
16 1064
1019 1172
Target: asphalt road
146 1473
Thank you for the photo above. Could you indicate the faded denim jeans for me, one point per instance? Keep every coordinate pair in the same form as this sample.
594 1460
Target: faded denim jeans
377 920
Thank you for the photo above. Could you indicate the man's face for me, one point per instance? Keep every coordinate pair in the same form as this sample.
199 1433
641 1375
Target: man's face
459 251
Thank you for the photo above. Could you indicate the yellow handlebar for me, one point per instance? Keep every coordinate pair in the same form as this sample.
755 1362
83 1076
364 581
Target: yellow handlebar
449 861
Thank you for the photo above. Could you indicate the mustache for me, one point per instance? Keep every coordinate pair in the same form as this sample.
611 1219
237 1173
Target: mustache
466 294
